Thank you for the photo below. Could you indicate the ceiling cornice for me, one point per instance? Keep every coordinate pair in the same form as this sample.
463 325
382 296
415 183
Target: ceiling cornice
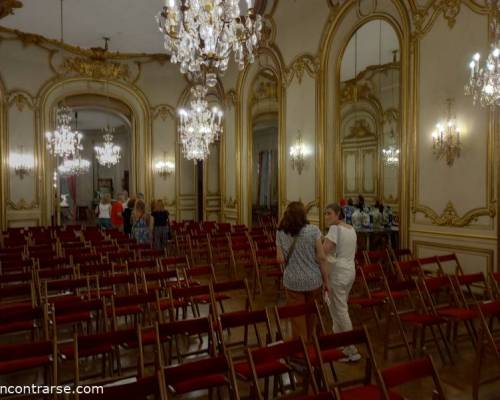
96 53
7 7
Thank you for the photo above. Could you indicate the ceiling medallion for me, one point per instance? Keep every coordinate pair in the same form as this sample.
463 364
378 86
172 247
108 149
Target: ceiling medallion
200 35
199 126
484 81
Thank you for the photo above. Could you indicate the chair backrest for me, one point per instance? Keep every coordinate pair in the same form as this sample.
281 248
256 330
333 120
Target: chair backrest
282 313
450 264
413 370
409 269
430 265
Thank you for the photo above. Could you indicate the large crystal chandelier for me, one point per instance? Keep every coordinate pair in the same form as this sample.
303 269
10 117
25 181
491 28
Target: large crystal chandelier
108 153
199 126
74 166
484 81
200 35
63 141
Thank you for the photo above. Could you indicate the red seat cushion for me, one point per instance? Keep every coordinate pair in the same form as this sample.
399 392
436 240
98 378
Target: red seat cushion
205 298
421 319
74 317
199 383
327 355
458 313
16 326
395 294
365 301
368 392
127 310
263 369
24 363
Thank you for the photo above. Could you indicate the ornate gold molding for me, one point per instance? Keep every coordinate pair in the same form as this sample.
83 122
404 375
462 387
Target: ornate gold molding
22 205
231 99
95 69
299 65
163 111
230 203
7 7
29 39
20 99
450 217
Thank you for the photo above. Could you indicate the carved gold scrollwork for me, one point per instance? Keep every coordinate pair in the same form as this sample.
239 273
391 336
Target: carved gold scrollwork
449 217
163 111
7 7
20 99
304 63
450 10
22 205
231 98
230 202
96 69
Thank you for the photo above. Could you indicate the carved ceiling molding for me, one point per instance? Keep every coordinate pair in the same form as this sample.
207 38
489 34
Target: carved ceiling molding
20 99
97 69
450 217
163 111
299 65
7 7
425 16
96 53
22 205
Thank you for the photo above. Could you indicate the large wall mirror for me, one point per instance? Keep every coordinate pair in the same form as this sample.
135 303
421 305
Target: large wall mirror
80 193
264 124
370 116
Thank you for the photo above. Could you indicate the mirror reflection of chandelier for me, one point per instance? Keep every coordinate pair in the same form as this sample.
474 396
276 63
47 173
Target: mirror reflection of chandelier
391 152
199 126
108 153
74 166
201 34
63 141
484 81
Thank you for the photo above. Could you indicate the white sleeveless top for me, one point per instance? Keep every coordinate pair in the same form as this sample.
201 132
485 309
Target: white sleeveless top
345 250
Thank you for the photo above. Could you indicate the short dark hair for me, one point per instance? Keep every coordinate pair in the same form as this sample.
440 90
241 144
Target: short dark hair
294 218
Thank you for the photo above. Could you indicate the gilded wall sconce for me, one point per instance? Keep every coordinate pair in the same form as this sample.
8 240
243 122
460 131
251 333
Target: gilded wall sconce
164 167
297 154
22 163
446 138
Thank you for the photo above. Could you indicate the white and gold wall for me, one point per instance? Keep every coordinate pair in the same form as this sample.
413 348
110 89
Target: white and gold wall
443 208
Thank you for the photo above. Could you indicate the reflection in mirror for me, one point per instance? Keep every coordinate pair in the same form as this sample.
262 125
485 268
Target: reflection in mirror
80 194
264 106
370 117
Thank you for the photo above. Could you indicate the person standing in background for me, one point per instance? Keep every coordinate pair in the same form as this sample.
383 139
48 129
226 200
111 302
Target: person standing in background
161 229
127 217
340 247
117 213
142 223
125 199
103 211
305 276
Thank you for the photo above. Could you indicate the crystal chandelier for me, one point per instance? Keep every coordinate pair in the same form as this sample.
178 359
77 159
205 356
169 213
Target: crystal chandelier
74 166
391 155
200 35
63 141
446 138
484 81
199 126
108 154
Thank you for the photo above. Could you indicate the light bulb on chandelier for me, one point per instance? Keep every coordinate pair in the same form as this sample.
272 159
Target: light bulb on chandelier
484 81
108 154
200 35
63 141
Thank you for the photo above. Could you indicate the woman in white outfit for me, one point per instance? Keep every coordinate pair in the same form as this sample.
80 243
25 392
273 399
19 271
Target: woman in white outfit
340 247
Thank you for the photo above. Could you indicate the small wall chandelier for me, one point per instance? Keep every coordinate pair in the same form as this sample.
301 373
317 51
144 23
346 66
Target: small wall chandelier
446 138
199 126
74 166
108 153
297 154
63 141
21 163
201 34
484 81
391 155
164 167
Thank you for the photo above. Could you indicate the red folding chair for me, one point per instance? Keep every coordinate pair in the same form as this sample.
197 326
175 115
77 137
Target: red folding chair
450 264
410 371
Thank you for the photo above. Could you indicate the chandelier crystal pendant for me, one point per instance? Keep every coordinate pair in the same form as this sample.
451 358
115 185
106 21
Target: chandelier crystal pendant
484 81
201 34
63 141
108 154
74 166
199 126
391 155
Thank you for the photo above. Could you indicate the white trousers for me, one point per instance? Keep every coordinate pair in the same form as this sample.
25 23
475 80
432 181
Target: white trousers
341 281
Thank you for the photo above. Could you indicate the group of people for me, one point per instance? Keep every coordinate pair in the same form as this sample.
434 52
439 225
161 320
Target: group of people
318 268
129 215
